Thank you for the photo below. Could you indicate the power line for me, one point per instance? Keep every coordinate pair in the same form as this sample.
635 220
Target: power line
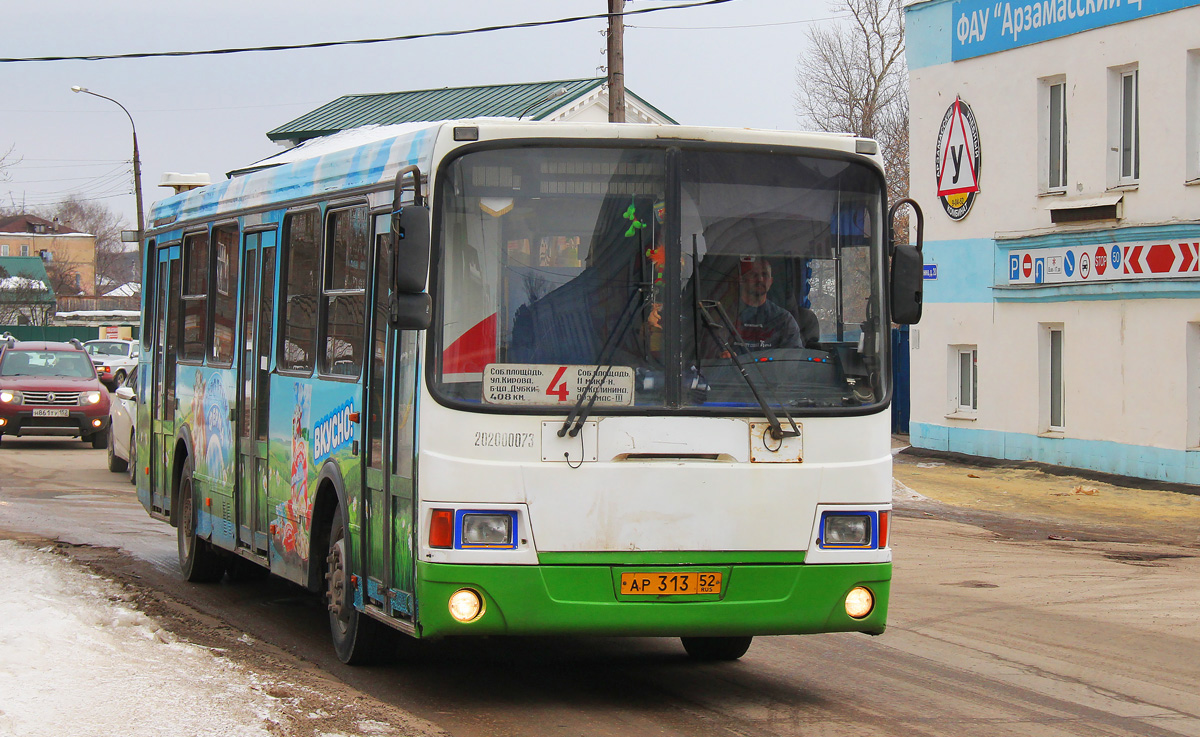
726 28
359 42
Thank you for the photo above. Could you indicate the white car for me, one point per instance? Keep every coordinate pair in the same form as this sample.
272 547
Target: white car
113 359
122 445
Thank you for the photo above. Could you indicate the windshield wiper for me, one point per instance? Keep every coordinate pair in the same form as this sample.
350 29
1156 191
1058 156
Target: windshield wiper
705 306
610 347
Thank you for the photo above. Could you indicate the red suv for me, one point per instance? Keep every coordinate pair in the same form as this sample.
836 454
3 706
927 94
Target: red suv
51 389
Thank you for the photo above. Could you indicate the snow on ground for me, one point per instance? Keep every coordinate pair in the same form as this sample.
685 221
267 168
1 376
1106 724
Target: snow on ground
76 660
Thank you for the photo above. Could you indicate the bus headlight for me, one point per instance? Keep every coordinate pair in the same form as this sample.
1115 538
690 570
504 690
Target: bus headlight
859 602
487 529
846 529
92 397
10 396
466 605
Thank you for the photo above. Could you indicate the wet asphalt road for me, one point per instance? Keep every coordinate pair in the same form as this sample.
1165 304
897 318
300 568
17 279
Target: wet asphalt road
990 633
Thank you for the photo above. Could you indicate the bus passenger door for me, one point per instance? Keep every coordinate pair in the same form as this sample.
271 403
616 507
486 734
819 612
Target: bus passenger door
254 373
162 391
387 549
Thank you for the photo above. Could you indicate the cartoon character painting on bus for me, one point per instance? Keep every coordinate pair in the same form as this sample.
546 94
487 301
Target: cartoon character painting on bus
218 431
212 433
295 513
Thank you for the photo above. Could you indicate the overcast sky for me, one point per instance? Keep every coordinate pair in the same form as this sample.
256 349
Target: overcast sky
211 113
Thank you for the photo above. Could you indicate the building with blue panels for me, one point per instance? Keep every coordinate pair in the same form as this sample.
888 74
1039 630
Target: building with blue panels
1056 150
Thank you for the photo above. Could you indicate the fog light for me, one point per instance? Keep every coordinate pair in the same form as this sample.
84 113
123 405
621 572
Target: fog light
3 422
97 423
466 605
859 602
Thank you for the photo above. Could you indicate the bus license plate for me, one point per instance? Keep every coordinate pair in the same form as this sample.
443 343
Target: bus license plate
670 584
51 413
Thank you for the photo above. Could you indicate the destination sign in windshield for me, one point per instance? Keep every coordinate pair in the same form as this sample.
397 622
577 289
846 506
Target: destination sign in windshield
555 385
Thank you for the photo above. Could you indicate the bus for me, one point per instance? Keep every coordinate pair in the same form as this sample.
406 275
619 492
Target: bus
491 377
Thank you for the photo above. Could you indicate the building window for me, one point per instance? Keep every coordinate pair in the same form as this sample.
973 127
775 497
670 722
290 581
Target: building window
1124 124
1193 116
4 249
1192 345
968 379
1053 127
24 250
1053 400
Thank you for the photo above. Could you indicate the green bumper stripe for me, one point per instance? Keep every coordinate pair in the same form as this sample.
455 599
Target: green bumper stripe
759 599
681 558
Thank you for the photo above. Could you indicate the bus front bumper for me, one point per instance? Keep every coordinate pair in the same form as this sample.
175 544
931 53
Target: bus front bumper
773 599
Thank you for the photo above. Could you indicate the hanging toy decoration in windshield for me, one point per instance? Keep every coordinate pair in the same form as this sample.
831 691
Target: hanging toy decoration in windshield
631 215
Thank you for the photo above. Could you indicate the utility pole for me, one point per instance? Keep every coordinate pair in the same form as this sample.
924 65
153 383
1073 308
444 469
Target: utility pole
616 61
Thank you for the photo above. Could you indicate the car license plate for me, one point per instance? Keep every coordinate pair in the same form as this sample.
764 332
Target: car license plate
52 413
670 583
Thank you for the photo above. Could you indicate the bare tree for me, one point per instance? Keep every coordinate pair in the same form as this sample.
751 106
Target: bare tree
7 160
64 278
113 263
853 79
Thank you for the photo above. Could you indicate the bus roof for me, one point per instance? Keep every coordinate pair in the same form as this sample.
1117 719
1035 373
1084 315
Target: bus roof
370 157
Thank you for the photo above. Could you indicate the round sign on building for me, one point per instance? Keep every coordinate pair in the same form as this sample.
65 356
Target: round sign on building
957 162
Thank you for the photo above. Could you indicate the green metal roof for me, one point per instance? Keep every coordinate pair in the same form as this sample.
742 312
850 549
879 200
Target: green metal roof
532 99
29 267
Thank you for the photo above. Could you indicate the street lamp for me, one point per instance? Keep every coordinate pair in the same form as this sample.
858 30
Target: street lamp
137 167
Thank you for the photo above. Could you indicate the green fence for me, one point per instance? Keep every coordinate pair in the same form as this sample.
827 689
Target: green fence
61 333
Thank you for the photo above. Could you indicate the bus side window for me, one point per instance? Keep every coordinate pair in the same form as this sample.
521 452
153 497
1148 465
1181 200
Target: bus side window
344 293
301 234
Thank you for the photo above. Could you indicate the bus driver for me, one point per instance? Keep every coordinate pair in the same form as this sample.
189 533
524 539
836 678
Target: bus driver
763 324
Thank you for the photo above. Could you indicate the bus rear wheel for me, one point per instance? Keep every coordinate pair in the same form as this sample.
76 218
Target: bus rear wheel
716 648
356 637
198 561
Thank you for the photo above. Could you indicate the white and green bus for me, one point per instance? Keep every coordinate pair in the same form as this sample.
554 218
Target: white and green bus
491 377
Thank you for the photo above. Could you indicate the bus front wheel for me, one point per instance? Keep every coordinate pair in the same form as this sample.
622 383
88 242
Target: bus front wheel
716 648
198 560
356 637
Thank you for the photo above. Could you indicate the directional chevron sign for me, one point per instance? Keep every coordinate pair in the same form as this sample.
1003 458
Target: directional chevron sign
1105 262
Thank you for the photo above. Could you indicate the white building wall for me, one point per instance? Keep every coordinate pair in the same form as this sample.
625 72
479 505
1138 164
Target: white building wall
1131 384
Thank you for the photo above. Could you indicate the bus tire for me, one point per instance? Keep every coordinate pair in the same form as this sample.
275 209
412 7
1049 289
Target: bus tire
356 637
716 648
198 561
116 464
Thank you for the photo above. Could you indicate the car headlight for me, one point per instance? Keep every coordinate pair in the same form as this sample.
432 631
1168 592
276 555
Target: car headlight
487 529
846 530
10 396
91 397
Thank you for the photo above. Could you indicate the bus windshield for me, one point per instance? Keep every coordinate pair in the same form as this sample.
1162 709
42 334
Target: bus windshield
557 277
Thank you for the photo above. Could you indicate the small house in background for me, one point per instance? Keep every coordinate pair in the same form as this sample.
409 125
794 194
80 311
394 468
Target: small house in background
70 257
25 294
576 100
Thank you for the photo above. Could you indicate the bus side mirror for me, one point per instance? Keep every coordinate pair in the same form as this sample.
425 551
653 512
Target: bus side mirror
411 311
908 270
410 232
